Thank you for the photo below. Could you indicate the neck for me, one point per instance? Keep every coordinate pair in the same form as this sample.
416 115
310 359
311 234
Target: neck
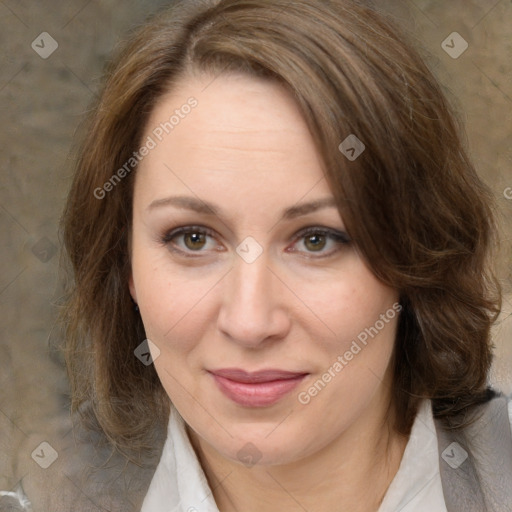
352 472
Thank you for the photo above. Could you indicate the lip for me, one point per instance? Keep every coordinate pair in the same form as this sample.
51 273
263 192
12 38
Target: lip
256 389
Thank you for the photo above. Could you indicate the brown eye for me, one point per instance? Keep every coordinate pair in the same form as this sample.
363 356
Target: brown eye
194 241
319 242
315 242
188 240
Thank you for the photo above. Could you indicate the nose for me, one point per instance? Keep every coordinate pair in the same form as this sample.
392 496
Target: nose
253 308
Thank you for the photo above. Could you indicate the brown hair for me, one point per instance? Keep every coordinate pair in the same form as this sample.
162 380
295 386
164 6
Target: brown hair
412 201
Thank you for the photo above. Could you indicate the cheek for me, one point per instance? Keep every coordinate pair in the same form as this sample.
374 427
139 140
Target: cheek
351 308
171 311
361 314
175 307
356 367
174 318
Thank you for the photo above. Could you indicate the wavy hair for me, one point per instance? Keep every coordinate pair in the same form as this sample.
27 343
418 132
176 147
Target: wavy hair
412 201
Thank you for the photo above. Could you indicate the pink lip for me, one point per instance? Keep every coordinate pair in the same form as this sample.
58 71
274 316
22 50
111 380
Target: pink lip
256 389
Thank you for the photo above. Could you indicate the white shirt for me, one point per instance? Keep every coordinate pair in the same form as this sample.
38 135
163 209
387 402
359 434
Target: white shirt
179 483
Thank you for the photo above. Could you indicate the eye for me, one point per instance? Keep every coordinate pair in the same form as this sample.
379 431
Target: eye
190 239
194 241
315 242
319 242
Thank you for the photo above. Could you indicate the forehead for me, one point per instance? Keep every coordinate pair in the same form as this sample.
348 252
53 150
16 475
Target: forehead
240 128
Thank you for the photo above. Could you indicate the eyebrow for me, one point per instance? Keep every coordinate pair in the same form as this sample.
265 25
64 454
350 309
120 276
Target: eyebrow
185 203
204 207
305 208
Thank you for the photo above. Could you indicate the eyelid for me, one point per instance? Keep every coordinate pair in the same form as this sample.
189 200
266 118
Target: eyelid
340 238
172 233
167 238
334 233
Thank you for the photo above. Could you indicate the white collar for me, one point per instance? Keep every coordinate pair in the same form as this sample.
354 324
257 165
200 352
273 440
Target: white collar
179 483
417 484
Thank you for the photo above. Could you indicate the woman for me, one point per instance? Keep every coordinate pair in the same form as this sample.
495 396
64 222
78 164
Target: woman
280 258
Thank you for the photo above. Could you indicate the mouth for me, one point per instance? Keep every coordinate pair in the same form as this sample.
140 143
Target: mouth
256 389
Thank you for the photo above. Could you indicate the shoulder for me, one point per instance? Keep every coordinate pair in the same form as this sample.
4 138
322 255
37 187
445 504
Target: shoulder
90 474
475 459
495 408
490 421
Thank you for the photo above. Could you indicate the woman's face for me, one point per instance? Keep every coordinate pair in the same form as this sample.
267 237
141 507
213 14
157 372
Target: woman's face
270 334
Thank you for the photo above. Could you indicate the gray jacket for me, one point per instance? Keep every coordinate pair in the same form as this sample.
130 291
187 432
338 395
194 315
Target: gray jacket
475 465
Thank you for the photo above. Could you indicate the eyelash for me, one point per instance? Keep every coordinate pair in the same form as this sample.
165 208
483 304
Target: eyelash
339 237
174 233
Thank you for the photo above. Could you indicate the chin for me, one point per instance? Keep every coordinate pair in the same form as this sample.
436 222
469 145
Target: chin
249 447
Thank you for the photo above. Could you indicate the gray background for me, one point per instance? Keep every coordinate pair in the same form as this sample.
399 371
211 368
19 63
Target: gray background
42 102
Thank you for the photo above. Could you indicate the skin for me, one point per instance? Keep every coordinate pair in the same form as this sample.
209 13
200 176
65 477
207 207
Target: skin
298 306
